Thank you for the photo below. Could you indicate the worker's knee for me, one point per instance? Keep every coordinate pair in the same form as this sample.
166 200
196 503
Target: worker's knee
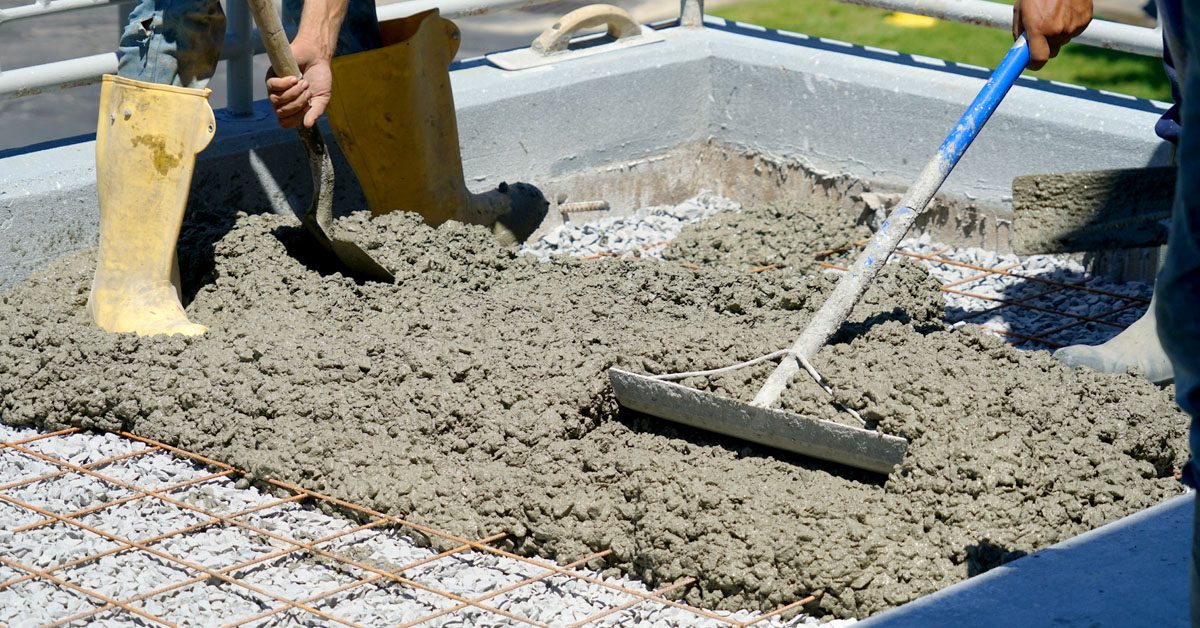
176 43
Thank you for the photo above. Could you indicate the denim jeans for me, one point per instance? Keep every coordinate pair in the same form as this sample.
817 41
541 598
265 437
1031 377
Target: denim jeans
1177 289
178 42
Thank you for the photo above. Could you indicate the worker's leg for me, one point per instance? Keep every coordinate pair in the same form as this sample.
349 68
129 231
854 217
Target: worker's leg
1138 346
1178 287
172 42
146 144
360 29
154 118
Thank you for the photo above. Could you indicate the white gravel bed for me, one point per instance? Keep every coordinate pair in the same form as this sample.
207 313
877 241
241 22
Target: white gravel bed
643 234
207 600
1029 321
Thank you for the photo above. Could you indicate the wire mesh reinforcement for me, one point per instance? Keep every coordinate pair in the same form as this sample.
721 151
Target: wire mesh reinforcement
1056 300
96 550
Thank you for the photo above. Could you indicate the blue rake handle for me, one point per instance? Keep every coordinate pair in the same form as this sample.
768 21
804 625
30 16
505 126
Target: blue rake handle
854 283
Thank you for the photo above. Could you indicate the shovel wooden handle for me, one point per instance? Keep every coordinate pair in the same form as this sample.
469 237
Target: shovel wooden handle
279 49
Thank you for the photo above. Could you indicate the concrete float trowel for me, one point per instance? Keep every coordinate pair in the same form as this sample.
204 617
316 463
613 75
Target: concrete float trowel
1096 210
398 129
855 446
318 218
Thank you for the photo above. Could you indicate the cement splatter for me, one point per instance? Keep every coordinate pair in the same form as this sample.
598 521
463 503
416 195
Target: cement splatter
471 396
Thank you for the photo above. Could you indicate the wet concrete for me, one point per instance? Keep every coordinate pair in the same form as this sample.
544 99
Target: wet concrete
471 396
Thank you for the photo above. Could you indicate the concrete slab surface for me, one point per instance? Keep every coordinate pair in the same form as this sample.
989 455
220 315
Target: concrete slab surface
1132 572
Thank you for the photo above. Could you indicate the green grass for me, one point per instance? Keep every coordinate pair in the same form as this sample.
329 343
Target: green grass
1083 65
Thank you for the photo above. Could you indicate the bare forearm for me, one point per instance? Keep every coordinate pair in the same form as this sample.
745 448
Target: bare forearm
302 100
319 25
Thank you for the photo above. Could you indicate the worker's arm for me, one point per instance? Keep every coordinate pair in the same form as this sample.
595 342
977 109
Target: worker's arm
304 100
1048 24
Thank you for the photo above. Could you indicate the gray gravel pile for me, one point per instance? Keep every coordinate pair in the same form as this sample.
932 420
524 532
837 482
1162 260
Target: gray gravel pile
644 233
557 600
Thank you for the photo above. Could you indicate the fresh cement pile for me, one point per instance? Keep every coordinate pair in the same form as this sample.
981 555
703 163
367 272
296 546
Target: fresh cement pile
471 396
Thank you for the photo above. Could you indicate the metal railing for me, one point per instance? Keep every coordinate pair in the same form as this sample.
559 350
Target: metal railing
1100 33
242 42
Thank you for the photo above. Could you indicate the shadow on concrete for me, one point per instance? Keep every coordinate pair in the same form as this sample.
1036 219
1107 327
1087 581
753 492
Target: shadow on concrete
986 555
272 177
1057 308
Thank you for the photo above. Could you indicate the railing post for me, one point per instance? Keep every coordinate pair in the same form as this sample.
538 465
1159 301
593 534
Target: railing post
123 11
239 69
691 13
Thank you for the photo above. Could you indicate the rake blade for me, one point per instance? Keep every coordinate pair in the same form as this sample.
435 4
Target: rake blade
851 446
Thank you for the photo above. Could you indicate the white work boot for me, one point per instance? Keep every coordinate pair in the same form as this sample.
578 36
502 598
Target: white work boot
1136 346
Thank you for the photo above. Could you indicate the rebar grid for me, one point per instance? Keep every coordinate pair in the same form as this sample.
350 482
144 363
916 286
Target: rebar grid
319 605
984 272
1022 302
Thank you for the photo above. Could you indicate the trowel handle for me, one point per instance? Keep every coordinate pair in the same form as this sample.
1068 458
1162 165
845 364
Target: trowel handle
274 39
854 283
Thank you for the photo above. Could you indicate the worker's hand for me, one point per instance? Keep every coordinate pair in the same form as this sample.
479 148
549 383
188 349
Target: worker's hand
303 100
1048 25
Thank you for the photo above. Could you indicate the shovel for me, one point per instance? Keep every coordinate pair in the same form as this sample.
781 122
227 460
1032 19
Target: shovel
827 440
318 219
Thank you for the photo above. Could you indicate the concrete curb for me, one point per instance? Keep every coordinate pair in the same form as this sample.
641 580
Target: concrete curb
1132 572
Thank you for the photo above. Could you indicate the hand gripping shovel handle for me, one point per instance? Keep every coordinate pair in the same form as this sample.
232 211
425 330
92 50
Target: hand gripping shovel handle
279 51
855 282
318 218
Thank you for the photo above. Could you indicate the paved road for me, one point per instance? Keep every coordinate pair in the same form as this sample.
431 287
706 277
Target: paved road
1140 12
72 112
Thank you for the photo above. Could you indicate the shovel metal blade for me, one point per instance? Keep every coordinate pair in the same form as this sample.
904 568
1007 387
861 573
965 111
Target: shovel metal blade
318 218
851 446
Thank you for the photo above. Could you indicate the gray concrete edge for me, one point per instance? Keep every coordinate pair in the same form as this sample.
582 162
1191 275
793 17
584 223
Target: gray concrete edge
1063 596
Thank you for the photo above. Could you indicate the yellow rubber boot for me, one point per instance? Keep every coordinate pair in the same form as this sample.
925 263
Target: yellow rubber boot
393 115
146 144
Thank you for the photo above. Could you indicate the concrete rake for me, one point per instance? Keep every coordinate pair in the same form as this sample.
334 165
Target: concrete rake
757 421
